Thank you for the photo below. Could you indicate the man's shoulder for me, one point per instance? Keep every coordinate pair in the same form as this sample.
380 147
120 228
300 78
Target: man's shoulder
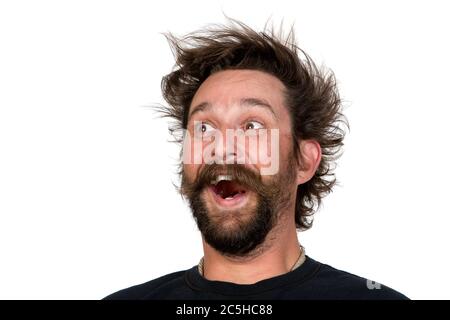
141 291
340 284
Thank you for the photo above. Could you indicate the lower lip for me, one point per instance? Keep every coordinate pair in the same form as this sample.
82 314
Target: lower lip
238 200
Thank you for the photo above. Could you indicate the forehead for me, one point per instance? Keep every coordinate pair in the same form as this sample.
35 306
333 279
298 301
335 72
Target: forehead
230 86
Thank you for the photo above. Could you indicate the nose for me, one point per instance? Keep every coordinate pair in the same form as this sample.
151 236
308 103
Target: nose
230 146
224 150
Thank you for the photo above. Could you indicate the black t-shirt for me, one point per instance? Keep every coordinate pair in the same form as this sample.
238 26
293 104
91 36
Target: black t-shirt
312 280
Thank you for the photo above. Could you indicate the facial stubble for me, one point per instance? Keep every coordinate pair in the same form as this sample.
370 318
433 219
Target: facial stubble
238 232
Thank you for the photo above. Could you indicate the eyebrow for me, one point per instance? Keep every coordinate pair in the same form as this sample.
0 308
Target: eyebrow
244 102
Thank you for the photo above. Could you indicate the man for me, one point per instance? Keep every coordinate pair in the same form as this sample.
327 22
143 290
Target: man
261 131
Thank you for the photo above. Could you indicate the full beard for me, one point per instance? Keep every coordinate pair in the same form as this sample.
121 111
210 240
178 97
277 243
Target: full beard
238 232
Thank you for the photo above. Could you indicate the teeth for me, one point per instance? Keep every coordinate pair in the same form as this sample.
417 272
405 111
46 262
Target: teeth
220 178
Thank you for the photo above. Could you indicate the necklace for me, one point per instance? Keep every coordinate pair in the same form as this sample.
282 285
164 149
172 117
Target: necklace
297 263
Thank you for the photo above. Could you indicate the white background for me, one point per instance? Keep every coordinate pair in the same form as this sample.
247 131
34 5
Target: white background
87 205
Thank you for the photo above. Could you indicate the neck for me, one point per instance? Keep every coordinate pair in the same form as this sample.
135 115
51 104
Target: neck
276 256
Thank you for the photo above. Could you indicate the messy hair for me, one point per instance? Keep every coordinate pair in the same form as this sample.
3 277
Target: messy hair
311 94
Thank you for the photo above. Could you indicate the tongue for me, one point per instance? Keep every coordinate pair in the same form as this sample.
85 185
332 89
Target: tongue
228 189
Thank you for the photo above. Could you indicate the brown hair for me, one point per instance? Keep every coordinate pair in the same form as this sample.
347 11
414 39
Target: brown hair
311 94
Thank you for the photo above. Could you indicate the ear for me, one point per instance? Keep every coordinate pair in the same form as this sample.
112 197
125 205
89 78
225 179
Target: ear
309 160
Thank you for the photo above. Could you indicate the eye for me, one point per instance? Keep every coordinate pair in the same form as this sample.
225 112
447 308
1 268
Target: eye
203 128
253 125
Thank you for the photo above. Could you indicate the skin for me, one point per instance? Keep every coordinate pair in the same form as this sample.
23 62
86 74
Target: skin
223 90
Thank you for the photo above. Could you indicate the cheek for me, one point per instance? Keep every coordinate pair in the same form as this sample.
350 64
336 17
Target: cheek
190 151
267 149
286 146
189 171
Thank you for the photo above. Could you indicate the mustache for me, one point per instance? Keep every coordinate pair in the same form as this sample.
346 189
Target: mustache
239 173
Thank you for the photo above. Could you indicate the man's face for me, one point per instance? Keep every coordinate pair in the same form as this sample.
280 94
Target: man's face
235 203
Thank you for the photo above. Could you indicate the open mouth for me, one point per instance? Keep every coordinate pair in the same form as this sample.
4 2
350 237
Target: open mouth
228 192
